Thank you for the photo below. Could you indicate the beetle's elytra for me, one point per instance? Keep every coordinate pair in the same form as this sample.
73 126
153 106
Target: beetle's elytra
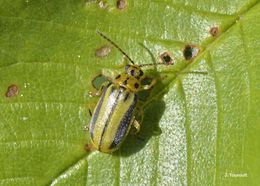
115 112
112 118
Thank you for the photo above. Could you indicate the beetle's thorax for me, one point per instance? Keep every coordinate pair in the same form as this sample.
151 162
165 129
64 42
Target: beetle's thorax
131 78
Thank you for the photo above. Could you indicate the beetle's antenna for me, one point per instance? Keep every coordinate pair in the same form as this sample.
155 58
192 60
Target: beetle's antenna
115 45
153 58
154 64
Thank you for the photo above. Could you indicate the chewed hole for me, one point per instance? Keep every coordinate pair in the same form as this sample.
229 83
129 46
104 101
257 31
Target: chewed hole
190 51
98 81
12 91
166 58
103 51
214 31
121 4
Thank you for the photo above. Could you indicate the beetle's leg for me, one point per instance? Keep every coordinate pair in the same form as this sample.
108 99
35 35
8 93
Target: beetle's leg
140 111
99 92
136 125
85 128
147 87
90 108
90 112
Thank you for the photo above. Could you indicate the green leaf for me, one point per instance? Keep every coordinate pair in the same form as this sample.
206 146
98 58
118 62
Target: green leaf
201 124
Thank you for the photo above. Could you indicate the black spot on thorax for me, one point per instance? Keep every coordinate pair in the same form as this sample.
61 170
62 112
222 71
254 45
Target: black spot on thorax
117 77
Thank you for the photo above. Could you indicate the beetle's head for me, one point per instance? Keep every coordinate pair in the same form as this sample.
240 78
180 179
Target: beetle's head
134 71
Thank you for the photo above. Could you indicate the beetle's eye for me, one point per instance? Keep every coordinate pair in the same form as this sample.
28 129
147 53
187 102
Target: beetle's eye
141 73
132 72
127 67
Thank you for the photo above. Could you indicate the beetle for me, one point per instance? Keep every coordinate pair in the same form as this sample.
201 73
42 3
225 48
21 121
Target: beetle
115 111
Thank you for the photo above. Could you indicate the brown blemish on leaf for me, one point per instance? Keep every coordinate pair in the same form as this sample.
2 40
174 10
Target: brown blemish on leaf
89 147
12 91
190 52
214 31
103 51
121 4
166 58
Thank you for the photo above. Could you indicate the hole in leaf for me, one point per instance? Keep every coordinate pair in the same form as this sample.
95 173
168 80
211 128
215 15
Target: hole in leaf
103 51
121 4
190 51
12 91
166 58
214 31
98 81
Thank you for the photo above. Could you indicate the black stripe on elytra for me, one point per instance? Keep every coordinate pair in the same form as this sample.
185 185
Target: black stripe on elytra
126 96
97 110
109 116
124 124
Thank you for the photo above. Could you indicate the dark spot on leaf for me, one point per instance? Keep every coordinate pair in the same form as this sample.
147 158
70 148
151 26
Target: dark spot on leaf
121 4
214 31
166 58
141 73
125 82
117 77
103 51
190 51
136 85
89 147
12 91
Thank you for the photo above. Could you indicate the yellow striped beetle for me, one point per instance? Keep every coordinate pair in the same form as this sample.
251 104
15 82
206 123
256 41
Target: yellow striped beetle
115 111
